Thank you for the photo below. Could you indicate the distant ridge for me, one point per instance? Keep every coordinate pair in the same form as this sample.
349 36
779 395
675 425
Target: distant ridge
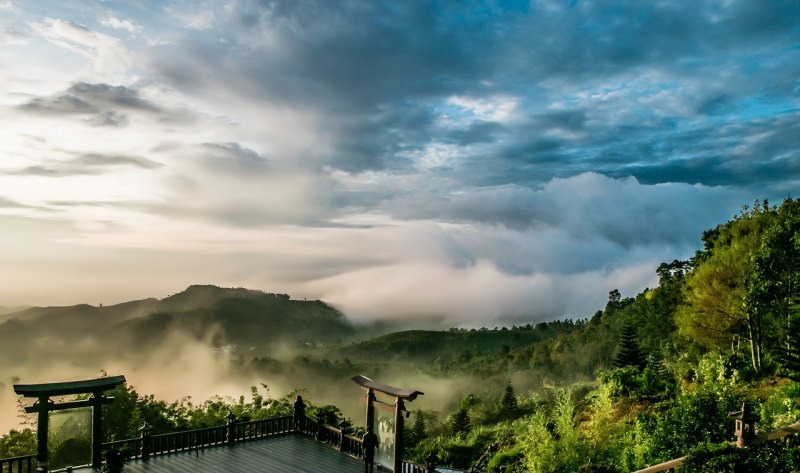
220 316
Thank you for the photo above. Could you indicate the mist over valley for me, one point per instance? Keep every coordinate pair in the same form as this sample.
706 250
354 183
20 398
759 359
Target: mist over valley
209 341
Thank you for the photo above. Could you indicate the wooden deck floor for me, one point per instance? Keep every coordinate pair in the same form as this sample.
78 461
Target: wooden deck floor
284 454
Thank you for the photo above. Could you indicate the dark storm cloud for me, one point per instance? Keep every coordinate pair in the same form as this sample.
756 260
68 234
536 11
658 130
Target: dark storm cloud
620 87
101 104
475 133
85 164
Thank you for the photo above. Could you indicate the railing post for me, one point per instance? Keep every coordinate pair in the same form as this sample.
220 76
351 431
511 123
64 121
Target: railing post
147 447
344 427
430 463
320 426
231 430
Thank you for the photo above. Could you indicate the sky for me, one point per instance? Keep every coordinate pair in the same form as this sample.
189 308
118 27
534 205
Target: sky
474 161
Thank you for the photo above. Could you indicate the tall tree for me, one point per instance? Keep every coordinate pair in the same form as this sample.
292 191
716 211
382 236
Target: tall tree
775 284
461 423
717 310
630 353
509 402
789 355
418 428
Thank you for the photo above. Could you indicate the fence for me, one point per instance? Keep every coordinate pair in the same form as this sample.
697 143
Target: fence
21 464
149 444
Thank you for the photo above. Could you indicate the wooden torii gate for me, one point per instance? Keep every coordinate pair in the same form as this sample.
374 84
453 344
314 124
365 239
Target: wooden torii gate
43 406
398 408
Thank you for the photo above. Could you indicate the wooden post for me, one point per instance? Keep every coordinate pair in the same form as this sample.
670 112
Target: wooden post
147 447
320 426
370 410
231 431
42 425
399 413
430 463
97 429
344 428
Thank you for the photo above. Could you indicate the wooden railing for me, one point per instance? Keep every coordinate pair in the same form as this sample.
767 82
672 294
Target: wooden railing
21 464
148 445
410 467
200 438
666 466
334 437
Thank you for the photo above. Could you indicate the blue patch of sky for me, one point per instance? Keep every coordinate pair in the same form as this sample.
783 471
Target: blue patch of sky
760 107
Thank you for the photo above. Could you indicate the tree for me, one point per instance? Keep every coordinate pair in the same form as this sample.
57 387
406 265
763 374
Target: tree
461 423
717 310
657 378
509 403
789 355
629 354
417 431
614 301
17 442
775 284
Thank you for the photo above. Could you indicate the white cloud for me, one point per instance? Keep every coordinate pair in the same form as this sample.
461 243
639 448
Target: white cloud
109 57
128 25
497 109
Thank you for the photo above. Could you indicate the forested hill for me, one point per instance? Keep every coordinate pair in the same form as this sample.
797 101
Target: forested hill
219 316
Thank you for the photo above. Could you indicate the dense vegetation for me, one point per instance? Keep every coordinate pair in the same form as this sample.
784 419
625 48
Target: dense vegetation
644 380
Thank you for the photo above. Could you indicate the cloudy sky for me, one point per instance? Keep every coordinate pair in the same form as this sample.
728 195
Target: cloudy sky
473 160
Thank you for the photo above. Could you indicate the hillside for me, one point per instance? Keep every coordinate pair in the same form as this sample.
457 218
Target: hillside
137 334
237 316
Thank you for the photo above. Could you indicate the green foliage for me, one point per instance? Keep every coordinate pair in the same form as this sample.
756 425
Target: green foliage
417 431
718 310
653 383
776 280
17 442
774 457
782 407
690 419
789 355
512 459
458 451
657 380
624 382
70 452
130 410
